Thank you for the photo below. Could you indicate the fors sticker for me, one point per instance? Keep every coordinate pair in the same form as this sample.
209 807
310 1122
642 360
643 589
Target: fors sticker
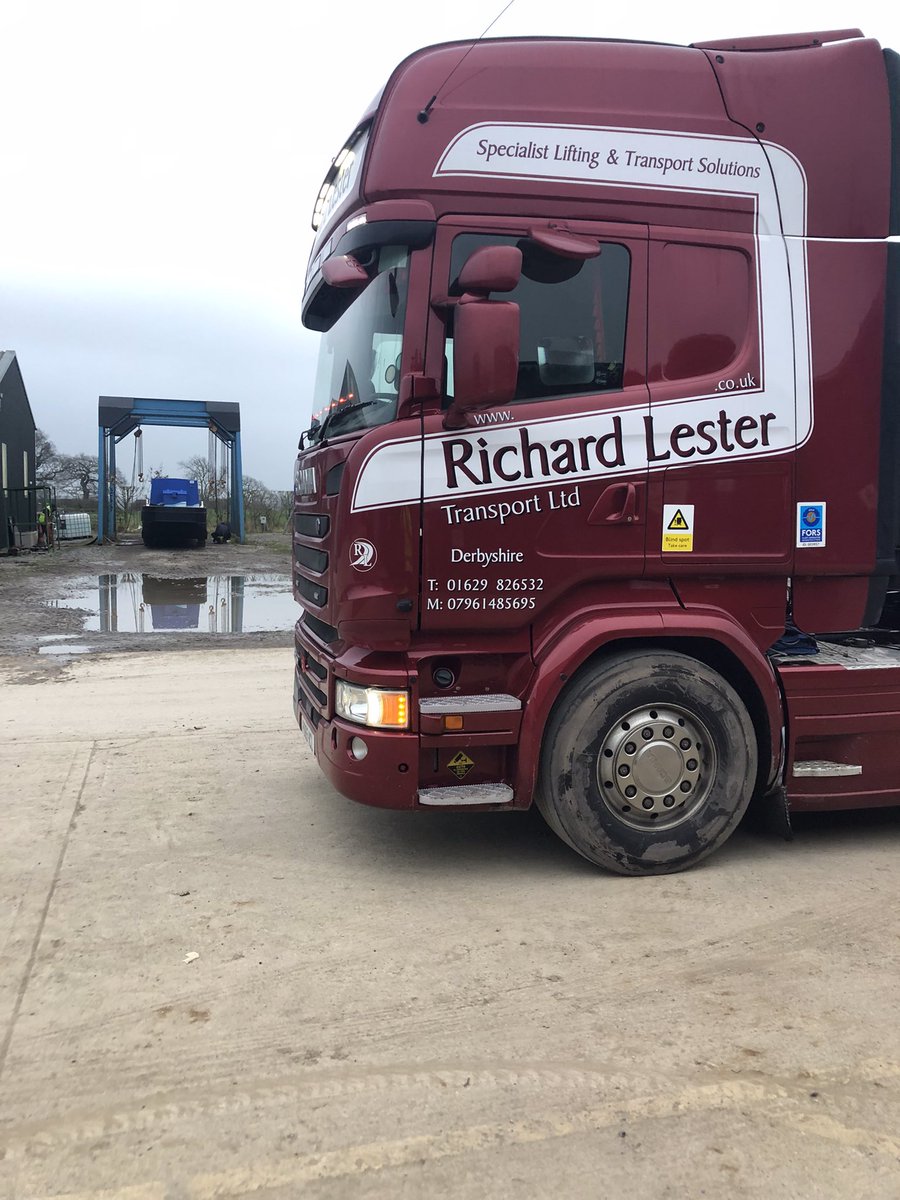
811 524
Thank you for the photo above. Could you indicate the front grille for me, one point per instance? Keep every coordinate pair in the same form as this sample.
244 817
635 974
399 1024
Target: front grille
315 593
325 633
307 556
318 694
311 674
312 551
318 669
308 708
311 524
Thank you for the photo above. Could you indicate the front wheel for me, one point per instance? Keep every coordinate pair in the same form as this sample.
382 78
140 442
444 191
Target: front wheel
648 764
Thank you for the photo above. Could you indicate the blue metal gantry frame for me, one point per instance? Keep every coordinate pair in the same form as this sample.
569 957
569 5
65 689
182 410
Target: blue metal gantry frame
121 415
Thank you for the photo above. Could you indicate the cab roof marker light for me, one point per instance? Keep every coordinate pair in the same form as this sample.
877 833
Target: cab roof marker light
322 202
340 167
345 158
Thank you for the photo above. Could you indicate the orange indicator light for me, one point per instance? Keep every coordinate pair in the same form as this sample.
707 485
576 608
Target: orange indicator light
394 709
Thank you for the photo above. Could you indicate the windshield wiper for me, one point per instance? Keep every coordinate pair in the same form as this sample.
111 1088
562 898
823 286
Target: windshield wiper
342 412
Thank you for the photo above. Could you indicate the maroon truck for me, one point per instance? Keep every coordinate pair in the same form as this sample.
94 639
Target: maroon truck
600 504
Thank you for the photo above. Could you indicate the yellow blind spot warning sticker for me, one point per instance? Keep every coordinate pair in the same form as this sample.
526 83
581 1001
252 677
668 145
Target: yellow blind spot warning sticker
460 764
678 528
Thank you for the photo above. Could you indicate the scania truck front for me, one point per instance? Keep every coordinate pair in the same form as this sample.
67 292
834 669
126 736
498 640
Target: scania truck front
608 400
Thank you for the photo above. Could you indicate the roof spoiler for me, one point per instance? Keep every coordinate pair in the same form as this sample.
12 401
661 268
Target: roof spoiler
780 41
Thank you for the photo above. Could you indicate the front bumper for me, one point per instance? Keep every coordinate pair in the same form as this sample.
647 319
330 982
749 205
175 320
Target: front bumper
385 778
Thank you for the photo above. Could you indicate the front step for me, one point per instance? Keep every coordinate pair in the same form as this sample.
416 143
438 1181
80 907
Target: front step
467 793
820 769
838 654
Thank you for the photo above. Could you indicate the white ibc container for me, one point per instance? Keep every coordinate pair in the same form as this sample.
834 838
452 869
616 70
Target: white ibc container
75 525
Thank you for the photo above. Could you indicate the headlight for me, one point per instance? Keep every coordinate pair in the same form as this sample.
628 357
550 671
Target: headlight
379 708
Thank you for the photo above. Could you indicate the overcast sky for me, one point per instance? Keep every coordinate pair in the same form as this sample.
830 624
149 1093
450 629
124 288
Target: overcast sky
159 166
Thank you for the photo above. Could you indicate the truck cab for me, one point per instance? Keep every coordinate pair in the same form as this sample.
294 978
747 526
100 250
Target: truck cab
598 506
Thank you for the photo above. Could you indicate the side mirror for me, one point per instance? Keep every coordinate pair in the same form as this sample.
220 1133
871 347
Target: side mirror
343 278
485 357
564 243
485 333
490 269
344 271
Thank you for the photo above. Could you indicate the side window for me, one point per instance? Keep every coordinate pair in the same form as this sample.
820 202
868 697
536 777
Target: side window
701 309
572 317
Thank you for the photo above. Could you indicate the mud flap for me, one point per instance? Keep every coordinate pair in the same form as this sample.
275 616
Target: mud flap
772 813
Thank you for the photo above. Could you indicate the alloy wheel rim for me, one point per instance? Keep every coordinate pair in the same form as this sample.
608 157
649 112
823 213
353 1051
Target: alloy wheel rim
655 767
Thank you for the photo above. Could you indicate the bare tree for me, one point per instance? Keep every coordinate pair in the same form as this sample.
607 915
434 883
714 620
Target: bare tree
212 488
77 475
261 501
128 496
46 460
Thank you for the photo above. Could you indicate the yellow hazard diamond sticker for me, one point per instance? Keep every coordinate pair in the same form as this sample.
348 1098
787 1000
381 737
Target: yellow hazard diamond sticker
678 528
460 764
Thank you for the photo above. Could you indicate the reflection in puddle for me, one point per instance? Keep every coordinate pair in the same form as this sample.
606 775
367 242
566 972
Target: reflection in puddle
134 603
63 649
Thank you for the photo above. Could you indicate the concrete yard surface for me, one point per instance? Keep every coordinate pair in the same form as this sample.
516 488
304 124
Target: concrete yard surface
219 978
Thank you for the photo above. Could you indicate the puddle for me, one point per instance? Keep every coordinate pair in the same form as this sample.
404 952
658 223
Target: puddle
64 649
132 602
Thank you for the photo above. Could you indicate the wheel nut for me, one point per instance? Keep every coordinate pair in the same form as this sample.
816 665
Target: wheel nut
631 791
685 743
647 802
668 801
630 747
646 734
691 764
685 786
624 769
668 731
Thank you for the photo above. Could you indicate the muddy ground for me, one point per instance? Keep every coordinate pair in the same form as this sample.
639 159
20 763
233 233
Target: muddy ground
32 582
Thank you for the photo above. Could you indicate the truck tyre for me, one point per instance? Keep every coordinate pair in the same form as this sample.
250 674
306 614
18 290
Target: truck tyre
648 763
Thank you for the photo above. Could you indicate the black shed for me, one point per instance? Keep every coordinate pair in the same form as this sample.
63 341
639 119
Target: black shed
18 501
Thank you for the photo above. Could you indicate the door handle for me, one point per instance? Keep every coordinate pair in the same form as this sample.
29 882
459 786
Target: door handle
617 505
628 511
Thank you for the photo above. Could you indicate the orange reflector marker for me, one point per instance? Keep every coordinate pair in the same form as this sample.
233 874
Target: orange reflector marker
453 722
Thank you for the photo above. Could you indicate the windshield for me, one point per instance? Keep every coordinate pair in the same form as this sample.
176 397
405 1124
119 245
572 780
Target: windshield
358 374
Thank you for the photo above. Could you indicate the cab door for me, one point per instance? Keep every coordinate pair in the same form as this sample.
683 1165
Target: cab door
546 494
722 431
